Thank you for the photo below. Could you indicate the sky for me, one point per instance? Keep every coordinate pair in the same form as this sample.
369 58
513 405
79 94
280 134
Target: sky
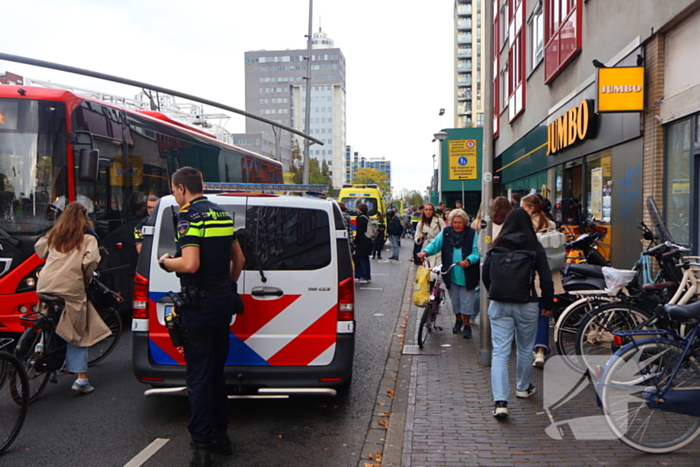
398 56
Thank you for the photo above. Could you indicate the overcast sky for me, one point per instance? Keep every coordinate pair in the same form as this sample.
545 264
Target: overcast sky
398 54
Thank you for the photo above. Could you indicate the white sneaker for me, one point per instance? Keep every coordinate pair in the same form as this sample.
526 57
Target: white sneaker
526 393
539 360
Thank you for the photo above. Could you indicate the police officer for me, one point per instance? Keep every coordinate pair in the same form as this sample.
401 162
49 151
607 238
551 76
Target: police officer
208 281
138 236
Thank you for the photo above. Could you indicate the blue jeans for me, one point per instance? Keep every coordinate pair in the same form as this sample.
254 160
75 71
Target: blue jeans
394 240
508 321
542 337
76 358
362 271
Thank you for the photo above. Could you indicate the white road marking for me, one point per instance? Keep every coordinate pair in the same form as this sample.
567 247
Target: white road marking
147 453
371 288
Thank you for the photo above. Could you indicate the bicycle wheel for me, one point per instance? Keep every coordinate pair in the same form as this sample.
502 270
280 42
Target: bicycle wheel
426 323
26 353
100 350
14 399
632 377
594 337
567 325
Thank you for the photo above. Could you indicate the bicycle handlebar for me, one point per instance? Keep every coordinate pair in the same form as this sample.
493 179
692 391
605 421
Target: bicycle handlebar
438 269
664 245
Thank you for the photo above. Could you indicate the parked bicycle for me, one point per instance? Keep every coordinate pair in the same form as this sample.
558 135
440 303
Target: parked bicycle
650 388
14 396
42 352
432 309
594 337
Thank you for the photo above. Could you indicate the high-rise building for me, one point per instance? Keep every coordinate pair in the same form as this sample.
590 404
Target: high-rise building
354 162
275 84
469 65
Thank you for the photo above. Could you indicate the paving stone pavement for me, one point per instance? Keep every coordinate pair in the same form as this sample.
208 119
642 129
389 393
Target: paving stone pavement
441 413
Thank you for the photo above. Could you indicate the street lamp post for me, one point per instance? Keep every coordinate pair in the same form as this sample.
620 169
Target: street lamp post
440 136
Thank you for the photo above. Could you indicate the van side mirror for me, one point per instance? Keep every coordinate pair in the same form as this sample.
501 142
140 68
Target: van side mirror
88 165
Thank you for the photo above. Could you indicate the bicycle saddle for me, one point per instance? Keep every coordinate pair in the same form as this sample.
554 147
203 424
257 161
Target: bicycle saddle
51 299
588 270
691 311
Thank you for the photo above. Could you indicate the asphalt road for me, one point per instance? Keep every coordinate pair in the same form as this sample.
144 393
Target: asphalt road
114 424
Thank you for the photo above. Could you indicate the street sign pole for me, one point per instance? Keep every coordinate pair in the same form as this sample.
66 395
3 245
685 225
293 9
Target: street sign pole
485 346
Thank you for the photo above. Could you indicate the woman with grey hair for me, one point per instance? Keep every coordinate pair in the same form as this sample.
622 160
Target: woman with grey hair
458 243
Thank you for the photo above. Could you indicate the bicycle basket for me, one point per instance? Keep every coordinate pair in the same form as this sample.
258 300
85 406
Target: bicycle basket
616 279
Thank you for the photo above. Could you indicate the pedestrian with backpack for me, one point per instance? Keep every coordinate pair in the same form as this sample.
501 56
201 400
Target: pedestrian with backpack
458 244
509 277
363 246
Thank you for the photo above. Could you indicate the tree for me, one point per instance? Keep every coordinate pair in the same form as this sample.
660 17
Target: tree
319 173
369 175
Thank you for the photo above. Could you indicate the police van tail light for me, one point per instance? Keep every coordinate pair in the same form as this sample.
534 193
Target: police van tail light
140 303
346 300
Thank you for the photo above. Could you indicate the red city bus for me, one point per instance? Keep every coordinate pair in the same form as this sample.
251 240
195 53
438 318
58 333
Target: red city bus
57 147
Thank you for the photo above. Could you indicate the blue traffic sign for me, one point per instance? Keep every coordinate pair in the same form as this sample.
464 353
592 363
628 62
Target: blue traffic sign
462 161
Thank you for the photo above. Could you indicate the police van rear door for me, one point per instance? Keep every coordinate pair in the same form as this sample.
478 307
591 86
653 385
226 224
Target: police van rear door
291 290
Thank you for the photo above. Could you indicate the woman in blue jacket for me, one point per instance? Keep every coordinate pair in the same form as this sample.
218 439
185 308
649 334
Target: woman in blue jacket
458 243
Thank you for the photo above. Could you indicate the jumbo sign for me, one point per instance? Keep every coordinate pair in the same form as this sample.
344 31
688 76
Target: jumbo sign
621 89
570 128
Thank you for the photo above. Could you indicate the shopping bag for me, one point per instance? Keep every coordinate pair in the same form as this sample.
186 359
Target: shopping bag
554 243
421 288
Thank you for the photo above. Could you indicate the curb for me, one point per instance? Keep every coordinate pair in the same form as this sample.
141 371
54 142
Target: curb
384 442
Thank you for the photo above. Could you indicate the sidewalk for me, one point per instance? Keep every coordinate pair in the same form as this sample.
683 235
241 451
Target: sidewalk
441 412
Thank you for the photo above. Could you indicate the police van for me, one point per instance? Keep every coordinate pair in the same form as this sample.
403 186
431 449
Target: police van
297 334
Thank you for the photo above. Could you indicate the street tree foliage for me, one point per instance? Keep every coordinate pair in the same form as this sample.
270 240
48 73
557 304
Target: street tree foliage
319 173
369 175
412 197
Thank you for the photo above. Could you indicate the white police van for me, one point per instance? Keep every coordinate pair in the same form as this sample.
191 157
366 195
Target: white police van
297 335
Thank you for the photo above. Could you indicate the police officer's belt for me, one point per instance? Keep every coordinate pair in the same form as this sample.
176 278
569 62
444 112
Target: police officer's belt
213 292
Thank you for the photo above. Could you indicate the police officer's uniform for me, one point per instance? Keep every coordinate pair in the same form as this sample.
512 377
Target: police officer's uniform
138 236
206 316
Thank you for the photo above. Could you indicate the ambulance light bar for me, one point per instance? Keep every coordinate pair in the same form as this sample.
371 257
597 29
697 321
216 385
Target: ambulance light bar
263 187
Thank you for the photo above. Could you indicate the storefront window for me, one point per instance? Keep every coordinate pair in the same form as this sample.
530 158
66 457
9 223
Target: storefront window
677 181
558 192
598 186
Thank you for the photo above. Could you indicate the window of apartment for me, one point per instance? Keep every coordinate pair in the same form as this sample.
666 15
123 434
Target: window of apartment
535 37
562 35
495 63
516 60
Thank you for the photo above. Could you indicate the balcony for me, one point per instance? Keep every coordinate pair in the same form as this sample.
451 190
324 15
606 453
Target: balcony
464 24
464 38
463 52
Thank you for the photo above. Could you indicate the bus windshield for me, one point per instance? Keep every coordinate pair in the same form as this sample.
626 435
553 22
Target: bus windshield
32 164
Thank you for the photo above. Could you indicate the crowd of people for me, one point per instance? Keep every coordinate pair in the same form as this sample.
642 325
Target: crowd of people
445 236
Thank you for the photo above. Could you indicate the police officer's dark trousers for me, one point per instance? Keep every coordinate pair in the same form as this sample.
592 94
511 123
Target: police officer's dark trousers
206 332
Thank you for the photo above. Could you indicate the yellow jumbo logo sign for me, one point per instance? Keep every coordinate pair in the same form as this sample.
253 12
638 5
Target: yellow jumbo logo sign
621 89
570 128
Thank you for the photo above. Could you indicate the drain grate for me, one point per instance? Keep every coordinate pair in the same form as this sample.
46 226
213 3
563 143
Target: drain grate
415 350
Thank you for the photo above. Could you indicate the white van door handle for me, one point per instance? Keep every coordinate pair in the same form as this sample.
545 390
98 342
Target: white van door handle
266 292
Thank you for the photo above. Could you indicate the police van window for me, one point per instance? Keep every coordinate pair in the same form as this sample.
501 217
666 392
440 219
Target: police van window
168 243
280 239
352 203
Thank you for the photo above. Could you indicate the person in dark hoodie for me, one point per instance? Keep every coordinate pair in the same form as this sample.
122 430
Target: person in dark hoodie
516 320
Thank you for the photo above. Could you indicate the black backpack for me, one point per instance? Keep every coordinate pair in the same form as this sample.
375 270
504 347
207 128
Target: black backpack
512 274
